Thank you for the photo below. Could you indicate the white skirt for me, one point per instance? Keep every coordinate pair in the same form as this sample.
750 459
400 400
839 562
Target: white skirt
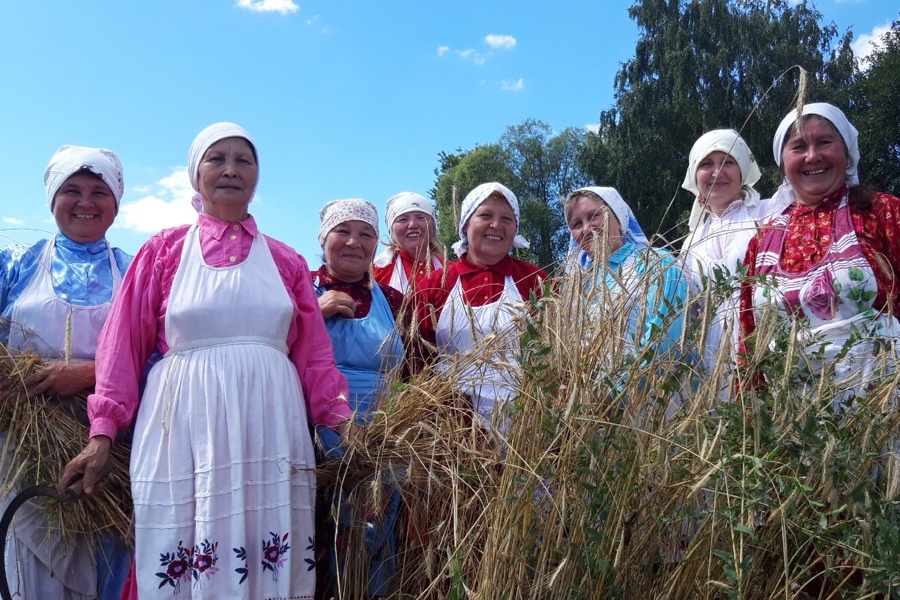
222 473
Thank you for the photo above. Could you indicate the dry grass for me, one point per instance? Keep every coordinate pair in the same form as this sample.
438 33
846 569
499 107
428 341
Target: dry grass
628 476
43 435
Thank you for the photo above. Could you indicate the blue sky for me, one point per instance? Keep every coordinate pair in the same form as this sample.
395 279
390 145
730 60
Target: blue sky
344 98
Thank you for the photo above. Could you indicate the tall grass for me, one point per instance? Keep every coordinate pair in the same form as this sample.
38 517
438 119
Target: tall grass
637 475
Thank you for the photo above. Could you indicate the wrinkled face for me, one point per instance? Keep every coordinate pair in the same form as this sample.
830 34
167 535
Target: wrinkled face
349 249
227 177
413 231
590 218
815 160
719 180
84 207
491 231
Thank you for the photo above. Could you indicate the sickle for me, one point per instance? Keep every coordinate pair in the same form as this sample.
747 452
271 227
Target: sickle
73 492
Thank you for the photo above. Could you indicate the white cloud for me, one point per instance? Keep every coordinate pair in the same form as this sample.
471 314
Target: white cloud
167 204
593 127
866 42
312 20
13 221
513 86
502 42
442 50
280 6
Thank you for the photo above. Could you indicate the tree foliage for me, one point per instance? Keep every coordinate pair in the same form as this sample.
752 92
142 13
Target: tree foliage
875 111
536 164
702 65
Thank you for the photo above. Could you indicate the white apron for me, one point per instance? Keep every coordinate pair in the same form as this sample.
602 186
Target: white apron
38 563
222 468
480 346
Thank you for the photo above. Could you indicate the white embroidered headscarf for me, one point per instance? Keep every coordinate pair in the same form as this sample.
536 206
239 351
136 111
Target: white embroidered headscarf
349 209
837 118
470 204
731 143
206 138
397 205
631 229
68 160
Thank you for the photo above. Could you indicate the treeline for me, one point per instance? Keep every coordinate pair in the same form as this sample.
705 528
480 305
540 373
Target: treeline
697 66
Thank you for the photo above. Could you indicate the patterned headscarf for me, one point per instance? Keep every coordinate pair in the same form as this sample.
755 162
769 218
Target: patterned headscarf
68 160
731 143
206 138
473 200
837 118
350 209
631 230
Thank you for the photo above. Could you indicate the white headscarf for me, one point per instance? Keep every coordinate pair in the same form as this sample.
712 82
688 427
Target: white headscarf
731 143
208 137
406 202
400 204
631 229
473 200
349 209
841 123
68 160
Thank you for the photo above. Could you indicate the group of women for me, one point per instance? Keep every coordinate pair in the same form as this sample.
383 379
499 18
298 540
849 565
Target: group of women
251 345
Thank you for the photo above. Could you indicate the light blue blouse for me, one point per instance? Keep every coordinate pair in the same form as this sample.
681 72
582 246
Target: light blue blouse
658 290
81 273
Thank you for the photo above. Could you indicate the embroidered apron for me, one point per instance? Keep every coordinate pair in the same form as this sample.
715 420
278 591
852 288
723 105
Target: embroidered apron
47 567
479 346
222 470
364 350
836 297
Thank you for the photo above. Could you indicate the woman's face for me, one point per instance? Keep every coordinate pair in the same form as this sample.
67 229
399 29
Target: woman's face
719 180
413 231
349 249
591 218
227 177
84 207
491 231
815 160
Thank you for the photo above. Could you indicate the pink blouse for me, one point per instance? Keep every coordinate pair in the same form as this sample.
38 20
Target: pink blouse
136 324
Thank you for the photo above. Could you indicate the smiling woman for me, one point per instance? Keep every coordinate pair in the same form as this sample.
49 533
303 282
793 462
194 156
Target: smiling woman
68 281
480 300
726 214
829 262
361 318
414 251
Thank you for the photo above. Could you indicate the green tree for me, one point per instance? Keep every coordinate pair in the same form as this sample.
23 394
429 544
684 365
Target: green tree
876 114
702 65
536 164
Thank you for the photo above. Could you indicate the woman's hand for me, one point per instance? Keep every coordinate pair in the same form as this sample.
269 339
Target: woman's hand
348 430
337 303
58 379
88 465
